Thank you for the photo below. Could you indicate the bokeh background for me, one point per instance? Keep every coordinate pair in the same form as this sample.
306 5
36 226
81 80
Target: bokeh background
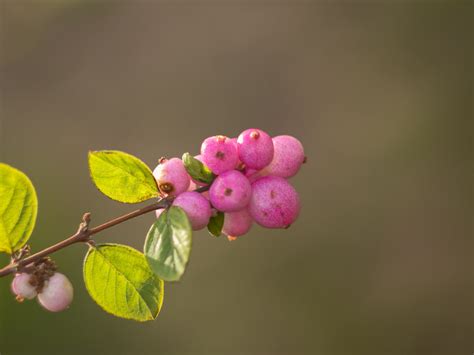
380 261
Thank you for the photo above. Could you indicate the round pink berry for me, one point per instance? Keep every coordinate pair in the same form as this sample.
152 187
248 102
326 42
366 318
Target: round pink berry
230 191
196 207
57 293
255 148
22 287
237 223
171 176
287 159
274 203
219 153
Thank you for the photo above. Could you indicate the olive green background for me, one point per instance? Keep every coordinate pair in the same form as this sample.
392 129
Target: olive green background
379 92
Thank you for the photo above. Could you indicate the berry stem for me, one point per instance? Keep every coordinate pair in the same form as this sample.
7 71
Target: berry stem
84 233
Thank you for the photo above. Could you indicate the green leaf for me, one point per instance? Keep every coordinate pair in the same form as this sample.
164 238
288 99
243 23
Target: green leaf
18 209
197 170
215 224
168 244
121 176
119 279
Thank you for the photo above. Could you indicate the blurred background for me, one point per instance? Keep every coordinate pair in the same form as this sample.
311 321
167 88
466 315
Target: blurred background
380 93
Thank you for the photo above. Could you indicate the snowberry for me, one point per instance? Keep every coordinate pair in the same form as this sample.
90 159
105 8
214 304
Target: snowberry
22 287
274 203
196 207
219 153
171 176
230 191
237 223
57 293
255 148
287 159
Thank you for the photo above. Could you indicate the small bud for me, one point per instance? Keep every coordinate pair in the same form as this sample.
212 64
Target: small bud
254 134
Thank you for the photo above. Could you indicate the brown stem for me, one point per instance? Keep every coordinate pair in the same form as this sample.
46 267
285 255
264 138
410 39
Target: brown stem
83 234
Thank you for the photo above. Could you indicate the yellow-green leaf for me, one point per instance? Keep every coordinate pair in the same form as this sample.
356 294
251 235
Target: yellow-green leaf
120 281
18 208
121 176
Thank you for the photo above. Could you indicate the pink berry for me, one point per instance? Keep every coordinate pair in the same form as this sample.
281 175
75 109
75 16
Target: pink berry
255 148
287 159
22 287
171 176
230 191
197 208
274 203
57 293
237 223
219 153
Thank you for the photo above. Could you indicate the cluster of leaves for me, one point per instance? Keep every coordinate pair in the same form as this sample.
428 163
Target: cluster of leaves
120 279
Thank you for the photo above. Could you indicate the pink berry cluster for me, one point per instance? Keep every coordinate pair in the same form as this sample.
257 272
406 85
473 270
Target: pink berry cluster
54 293
250 182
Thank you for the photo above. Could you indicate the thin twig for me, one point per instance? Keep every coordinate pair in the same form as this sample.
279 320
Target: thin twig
84 233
